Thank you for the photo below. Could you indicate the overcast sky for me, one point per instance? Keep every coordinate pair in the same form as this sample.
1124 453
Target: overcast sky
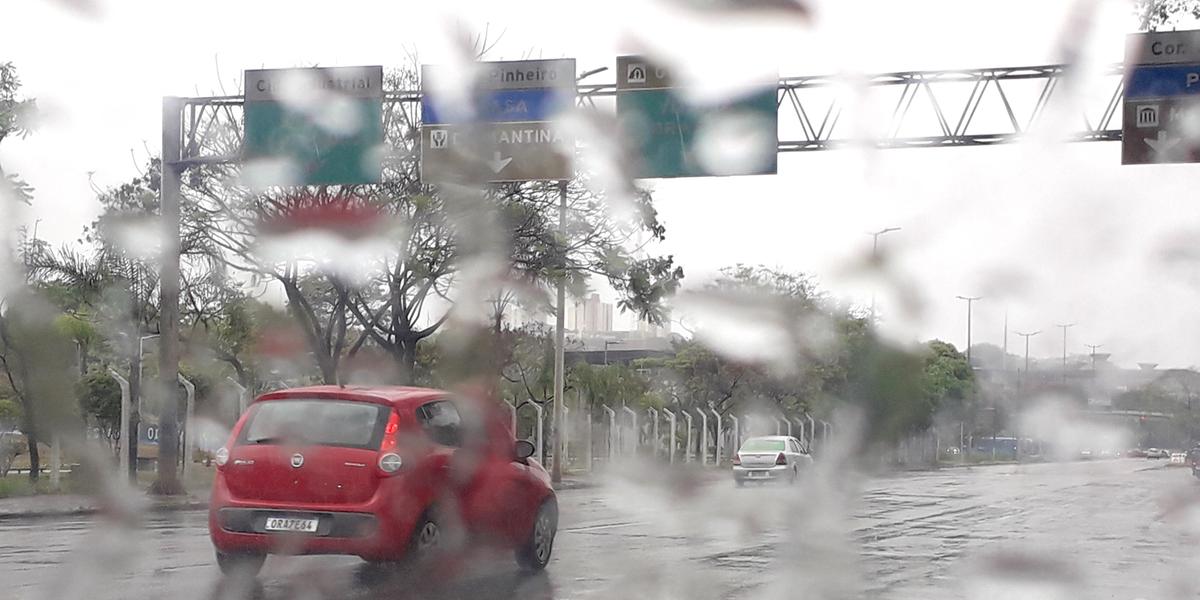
1057 233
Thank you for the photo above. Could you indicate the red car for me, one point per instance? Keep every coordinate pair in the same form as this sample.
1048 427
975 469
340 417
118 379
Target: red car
384 473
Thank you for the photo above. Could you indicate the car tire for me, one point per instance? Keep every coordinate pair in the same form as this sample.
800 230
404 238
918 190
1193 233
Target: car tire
794 476
740 482
244 564
427 537
534 554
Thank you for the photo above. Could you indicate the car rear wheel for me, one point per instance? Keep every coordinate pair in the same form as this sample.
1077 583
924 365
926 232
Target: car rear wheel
240 563
534 554
427 537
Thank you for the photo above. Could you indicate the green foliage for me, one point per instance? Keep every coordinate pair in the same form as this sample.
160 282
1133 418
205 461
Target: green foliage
10 414
16 117
612 385
834 360
1161 14
948 380
16 114
100 402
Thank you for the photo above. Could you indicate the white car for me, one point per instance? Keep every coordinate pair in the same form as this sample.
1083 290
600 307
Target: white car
770 458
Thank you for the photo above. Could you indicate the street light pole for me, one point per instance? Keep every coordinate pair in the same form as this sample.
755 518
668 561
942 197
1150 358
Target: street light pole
1093 348
556 467
970 300
608 343
875 257
1064 327
1023 379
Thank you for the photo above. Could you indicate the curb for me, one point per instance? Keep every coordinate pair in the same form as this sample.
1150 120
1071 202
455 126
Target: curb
573 484
155 506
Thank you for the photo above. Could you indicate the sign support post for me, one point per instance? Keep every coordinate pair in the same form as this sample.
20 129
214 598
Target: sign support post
167 482
559 340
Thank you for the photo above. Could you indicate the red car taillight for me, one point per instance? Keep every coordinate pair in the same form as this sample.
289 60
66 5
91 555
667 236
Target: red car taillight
737 459
781 459
389 461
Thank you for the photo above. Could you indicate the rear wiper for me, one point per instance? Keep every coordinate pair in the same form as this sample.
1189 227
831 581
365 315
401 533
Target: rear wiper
266 440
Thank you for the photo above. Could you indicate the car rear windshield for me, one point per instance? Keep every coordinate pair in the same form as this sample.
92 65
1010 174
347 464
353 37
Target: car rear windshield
316 422
762 446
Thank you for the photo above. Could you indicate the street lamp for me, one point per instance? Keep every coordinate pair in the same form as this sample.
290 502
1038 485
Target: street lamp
970 300
1064 327
875 257
1093 348
608 343
1023 379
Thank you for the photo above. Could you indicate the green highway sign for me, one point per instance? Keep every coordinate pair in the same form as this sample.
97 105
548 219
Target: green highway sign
668 137
321 126
510 133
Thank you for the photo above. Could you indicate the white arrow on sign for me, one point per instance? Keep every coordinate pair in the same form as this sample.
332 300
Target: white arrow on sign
497 163
1162 145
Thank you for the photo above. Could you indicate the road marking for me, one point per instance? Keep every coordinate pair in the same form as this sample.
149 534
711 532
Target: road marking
602 526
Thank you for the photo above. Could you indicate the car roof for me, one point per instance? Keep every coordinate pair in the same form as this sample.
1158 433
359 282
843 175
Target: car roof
396 396
773 438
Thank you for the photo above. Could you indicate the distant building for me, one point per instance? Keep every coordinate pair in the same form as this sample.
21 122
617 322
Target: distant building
649 330
590 315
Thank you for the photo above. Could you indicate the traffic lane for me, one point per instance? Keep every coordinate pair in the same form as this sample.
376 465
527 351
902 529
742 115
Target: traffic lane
170 554
1104 529
925 534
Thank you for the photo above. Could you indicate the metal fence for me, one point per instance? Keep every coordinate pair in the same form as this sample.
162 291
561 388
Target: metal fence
670 435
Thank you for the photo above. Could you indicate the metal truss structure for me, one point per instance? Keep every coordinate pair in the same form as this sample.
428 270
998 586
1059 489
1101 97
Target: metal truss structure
910 109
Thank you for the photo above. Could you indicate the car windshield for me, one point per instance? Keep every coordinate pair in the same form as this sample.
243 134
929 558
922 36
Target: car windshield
931 266
762 446
316 422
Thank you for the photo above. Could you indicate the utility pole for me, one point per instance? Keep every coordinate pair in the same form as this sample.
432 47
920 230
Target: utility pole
559 349
970 300
1021 394
1065 327
167 482
875 258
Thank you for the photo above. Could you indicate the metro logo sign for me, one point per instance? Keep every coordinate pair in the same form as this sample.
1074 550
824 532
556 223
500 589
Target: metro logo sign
1162 98
668 137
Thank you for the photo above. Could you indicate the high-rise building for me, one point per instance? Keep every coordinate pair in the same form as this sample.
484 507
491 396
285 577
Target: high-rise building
590 315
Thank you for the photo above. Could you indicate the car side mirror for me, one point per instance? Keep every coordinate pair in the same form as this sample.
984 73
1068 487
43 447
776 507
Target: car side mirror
523 449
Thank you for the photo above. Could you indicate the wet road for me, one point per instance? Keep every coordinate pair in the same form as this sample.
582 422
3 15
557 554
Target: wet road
1120 529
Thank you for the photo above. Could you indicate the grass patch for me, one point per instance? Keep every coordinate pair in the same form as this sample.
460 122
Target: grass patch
19 485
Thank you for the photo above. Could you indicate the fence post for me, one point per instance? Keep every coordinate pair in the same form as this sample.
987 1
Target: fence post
587 417
125 408
717 455
637 435
737 442
670 437
55 461
541 448
703 438
612 432
241 396
654 431
188 425
687 453
512 419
